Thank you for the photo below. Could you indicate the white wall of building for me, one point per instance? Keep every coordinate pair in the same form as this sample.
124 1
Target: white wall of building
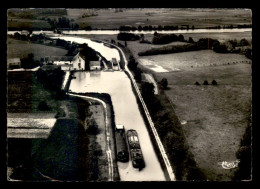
78 63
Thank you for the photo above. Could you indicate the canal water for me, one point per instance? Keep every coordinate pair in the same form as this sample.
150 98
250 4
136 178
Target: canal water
126 110
118 85
107 52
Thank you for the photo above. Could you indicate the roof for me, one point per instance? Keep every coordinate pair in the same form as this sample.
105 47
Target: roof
12 60
78 55
119 126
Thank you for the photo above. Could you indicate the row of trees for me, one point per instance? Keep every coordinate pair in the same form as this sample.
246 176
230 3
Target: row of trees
231 46
133 66
148 28
166 38
62 22
127 36
172 27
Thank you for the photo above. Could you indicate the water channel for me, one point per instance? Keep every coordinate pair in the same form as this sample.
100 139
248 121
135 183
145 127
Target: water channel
118 86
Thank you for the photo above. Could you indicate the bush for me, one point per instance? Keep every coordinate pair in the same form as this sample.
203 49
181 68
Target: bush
190 40
164 83
214 82
147 90
164 38
127 37
92 127
205 82
197 83
43 106
60 113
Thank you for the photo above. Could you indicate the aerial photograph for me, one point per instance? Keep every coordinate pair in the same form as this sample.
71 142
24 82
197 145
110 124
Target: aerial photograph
129 94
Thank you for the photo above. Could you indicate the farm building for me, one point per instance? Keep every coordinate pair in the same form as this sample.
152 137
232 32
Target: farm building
13 63
78 62
95 65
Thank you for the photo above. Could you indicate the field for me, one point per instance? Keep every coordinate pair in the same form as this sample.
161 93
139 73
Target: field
216 116
25 93
200 18
113 19
190 60
18 48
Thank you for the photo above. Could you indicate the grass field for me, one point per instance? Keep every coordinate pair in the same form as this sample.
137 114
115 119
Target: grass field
18 48
110 19
216 116
24 95
190 60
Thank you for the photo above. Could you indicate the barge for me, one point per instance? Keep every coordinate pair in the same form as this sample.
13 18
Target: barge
121 146
135 149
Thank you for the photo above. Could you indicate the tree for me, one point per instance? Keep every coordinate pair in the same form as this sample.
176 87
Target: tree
43 106
181 37
132 65
142 37
147 90
244 42
205 82
214 82
164 83
197 83
138 74
190 40
17 35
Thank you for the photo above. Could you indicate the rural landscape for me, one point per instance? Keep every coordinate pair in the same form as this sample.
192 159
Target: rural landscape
129 94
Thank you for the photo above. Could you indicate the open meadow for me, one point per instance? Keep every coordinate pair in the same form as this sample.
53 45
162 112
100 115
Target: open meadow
114 18
20 49
214 117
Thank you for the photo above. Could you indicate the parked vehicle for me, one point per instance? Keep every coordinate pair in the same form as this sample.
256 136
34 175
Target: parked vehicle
121 146
135 149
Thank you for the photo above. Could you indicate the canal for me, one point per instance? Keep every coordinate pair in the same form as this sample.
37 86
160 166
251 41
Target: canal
118 86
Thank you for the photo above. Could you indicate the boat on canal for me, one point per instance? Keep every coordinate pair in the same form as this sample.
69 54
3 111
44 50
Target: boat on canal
135 149
121 146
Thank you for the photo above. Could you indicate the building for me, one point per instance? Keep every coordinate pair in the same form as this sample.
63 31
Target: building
67 67
25 32
94 65
13 63
79 62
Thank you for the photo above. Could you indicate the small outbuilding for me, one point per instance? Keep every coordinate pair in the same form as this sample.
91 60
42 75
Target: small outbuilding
94 65
13 63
